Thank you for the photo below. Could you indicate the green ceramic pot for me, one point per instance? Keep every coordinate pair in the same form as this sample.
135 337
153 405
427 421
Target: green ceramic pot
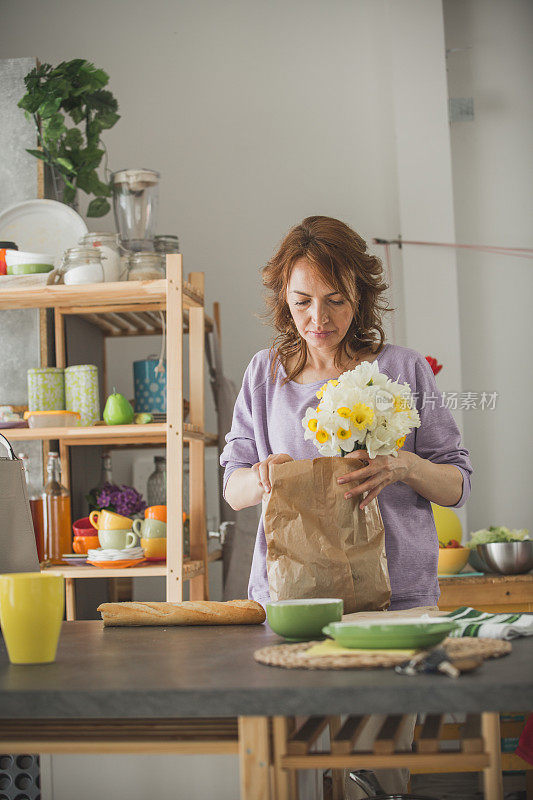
298 620
46 389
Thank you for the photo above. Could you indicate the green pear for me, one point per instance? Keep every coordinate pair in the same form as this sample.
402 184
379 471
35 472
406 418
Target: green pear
118 410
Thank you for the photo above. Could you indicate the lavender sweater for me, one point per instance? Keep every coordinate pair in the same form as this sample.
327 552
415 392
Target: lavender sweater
267 419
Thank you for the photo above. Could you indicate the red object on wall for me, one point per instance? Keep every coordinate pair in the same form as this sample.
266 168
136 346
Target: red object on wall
3 265
434 364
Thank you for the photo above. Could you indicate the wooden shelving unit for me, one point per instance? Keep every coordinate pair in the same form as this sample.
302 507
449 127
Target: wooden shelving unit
134 309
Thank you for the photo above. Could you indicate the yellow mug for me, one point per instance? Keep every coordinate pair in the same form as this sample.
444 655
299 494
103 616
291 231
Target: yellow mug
31 612
109 521
155 548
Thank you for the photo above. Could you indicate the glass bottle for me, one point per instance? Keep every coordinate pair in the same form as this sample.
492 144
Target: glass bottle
156 487
108 246
81 265
106 476
146 266
35 496
166 243
57 533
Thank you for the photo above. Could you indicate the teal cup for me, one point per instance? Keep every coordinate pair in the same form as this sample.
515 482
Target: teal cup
150 528
118 540
299 620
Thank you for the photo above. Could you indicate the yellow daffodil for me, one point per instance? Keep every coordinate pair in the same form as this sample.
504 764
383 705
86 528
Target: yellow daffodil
323 388
312 425
322 435
362 416
342 433
344 412
400 442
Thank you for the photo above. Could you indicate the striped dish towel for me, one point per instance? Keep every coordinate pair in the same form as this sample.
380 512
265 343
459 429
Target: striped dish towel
485 625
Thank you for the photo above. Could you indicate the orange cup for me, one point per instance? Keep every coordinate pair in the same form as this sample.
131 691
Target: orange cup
82 544
156 512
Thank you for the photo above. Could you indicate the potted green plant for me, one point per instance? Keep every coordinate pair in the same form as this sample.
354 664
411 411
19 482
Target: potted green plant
74 89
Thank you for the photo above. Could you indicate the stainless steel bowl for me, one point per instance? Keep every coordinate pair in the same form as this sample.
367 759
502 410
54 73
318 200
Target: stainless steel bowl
477 563
507 558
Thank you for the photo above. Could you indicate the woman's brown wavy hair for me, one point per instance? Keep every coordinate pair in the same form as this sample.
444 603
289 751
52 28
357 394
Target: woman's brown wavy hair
338 254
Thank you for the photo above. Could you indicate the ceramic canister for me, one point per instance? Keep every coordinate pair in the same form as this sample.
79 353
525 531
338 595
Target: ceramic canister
81 392
46 389
150 387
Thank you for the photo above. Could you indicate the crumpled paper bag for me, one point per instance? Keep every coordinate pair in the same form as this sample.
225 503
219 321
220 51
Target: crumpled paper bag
318 543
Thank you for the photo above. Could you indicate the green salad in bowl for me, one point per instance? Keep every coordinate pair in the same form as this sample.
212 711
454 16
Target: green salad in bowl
497 533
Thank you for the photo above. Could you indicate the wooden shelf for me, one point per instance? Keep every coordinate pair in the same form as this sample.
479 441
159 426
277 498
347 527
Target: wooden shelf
191 569
99 297
155 433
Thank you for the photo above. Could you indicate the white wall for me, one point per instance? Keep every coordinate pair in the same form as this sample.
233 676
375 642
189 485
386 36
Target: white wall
493 192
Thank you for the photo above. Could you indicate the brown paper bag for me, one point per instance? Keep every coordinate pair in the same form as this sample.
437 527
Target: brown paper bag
318 543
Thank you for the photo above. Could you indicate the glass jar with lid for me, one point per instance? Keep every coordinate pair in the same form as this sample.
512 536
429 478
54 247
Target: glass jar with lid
146 266
166 243
81 265
108 246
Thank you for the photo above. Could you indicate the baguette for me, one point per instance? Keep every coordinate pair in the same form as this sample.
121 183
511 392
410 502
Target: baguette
189 612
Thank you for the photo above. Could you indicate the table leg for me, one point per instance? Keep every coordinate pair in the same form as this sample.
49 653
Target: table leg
70 598
492 775
254 758
285 780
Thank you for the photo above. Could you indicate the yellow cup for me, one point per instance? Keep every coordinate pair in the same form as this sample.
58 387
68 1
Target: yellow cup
109 521
155 548
31 612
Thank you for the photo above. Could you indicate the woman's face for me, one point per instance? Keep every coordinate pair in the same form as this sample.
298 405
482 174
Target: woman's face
321 315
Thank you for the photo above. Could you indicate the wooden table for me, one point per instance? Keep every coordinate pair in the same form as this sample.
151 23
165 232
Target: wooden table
199 690
488 592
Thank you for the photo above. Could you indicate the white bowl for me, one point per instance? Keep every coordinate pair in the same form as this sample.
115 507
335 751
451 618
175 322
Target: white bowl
20 262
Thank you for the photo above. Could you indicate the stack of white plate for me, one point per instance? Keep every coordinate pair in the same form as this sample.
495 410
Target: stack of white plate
129 553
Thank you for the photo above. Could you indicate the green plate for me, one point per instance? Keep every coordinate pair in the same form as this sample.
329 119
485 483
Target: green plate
393 634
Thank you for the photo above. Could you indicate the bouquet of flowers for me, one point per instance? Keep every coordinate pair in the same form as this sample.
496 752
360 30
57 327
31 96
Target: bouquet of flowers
123 500
363 409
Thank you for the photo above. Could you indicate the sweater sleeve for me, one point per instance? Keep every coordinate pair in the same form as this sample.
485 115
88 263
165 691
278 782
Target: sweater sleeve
438 438
241 449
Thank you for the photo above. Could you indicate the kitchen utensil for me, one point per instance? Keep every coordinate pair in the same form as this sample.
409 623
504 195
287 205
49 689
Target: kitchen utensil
297 620
156 485
109 521
135 196
51 419
42 226
81 392
117 539
117 564
395 633
452 560
477 563
155 549
156 512
20 262
84 527
14 423
146 266
31 612
150 387
166 243
75 559
150 528
46 389
508 558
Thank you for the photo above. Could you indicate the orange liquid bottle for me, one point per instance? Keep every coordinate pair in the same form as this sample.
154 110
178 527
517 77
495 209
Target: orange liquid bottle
35 496
57 522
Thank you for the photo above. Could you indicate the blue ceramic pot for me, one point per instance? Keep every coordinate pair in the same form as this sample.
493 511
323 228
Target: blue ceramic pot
150 388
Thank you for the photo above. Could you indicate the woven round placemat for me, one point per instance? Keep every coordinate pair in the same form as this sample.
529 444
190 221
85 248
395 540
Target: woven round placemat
292 656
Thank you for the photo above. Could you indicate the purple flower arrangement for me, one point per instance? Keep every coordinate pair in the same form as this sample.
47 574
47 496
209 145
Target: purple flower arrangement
123 500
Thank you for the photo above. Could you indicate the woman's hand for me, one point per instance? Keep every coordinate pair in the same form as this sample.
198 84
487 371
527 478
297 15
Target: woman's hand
379 472
262 468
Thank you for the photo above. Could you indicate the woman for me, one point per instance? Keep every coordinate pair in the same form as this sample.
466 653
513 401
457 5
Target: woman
326 300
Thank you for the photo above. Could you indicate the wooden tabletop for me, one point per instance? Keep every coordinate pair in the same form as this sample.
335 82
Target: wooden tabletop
154 672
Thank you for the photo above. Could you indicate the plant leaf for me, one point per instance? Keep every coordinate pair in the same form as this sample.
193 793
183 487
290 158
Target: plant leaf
76 114
49 107
74 138
69 193
98 207
64 162
108 118
37 154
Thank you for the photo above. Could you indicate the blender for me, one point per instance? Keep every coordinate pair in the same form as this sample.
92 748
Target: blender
135 196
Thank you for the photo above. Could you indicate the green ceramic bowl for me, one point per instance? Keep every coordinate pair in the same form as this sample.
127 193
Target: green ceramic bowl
405 634
298 620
